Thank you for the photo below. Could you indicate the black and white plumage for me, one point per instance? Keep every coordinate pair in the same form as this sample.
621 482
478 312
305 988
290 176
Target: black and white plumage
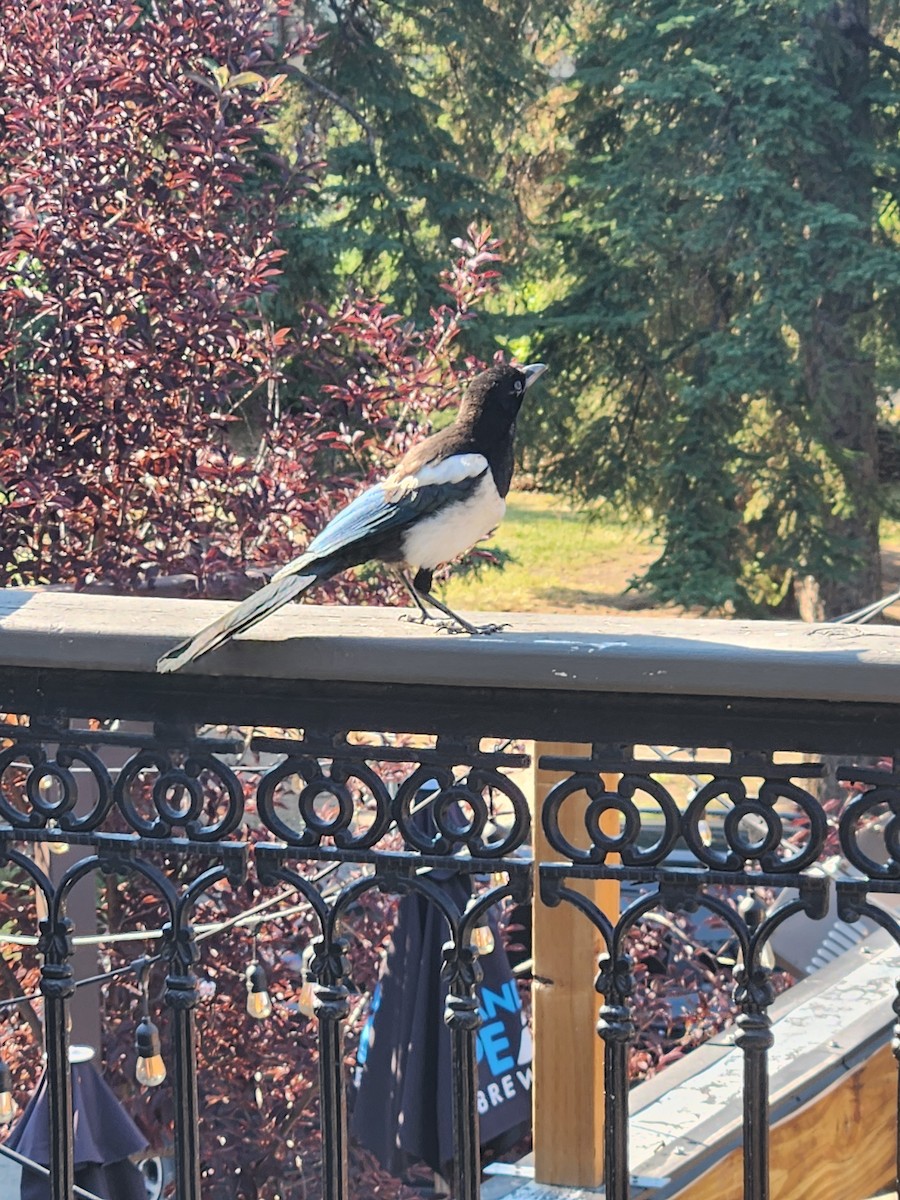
447 493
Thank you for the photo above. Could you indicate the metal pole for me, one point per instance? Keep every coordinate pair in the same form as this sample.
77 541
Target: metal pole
754 1037
181 998
616 1028
332 1005
463 1019
57 985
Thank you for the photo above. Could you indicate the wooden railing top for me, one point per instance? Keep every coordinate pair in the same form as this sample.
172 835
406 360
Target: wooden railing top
55 630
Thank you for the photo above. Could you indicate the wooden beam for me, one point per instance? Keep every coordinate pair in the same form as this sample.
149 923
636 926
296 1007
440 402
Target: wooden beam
584 655
762 685
568 1053
840 1146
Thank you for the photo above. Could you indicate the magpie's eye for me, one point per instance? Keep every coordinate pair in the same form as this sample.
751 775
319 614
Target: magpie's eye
517 386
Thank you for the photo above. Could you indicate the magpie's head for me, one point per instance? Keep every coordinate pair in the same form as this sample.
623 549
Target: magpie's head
495 396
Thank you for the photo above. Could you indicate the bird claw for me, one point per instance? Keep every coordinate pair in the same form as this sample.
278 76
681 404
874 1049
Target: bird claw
444 625
472 630
420 619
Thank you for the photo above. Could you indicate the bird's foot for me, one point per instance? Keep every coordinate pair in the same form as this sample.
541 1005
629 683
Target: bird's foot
421 618
460 626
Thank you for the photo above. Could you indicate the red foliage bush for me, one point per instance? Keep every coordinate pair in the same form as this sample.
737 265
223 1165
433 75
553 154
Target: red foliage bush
138 241
132 255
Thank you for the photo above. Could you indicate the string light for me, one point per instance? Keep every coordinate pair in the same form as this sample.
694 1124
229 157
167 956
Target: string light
251 916
259 1003
7 1104
59 847
49 791
483 938
306 998
150 1070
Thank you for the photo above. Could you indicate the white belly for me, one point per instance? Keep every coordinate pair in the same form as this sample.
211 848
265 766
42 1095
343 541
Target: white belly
455 529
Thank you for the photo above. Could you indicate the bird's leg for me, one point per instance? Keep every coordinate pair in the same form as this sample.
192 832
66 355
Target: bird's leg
421 586
424 617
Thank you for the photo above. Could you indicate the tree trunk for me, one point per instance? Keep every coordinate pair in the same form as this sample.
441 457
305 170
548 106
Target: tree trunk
839 373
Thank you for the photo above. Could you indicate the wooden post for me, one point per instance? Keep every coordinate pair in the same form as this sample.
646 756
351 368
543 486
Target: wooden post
568 1053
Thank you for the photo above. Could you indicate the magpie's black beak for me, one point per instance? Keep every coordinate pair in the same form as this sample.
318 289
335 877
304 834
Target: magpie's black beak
532 372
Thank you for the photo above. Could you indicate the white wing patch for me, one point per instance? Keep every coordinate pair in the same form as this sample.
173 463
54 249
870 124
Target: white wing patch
454 469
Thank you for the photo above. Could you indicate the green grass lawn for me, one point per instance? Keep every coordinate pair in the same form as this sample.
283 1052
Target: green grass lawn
562 563
565 563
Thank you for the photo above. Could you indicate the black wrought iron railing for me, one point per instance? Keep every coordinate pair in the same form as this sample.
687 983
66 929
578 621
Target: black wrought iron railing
776 708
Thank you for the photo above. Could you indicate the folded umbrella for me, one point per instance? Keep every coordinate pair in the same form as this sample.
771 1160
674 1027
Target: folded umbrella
403 1108
105 1139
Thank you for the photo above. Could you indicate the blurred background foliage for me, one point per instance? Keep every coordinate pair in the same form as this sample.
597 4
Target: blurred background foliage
696 207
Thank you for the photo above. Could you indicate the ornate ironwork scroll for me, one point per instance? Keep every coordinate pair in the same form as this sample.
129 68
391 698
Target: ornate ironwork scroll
404 816
875 811
40 801
770 830
453 810
407 816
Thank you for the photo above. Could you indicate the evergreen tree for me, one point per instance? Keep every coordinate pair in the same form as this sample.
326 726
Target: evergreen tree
419 114
727 245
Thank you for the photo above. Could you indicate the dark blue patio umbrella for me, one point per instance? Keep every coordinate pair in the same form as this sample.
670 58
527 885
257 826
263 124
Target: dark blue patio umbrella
403 1103
105 1139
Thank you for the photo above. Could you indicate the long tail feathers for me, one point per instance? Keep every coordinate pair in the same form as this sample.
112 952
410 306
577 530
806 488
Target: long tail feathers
267 600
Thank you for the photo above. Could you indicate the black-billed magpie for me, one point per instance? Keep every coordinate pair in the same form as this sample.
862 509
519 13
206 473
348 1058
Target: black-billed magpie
446 494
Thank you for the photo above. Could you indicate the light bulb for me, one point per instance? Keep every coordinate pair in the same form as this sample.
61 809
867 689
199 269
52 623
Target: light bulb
259 1005
150 1070
306 998
7 1104
483 939
59 847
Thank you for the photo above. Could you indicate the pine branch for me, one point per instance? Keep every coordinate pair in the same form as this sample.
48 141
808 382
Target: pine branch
316 86
865 38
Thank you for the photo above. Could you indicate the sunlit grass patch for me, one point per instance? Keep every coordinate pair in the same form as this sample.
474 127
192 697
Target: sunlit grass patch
561 561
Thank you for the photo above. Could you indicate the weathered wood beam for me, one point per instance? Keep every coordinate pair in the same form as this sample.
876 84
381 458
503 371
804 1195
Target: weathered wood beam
772 685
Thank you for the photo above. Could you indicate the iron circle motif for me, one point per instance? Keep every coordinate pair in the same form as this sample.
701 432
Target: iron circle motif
601 800
58 777
604 842
57 773
339 792
810 832
334 782
772 848
179 795
438 824
37 815
882 795
752 845
66 757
